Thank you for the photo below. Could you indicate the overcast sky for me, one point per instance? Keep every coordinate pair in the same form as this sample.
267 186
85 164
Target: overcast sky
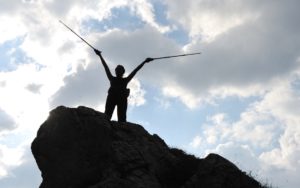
240 98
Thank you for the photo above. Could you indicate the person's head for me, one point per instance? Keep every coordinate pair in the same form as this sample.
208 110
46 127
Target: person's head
120 70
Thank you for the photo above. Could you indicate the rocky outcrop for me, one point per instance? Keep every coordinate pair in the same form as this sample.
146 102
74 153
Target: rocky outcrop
81 148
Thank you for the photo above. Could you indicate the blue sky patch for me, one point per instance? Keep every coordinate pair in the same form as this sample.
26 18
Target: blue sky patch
295 85
160 10
233 106
180 120
180 35
121 18
124 19
6 57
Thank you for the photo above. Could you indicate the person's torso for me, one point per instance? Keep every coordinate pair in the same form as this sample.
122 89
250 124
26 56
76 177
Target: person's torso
118 86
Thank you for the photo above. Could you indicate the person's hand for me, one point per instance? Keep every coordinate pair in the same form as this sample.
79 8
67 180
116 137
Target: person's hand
148 59
97 52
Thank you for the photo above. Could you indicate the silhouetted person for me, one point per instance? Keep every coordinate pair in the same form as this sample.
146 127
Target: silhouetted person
118 92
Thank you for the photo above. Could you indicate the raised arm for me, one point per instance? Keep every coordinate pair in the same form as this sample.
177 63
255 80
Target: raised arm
107 71
132 74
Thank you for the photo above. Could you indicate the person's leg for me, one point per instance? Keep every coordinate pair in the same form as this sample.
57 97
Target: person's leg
110 106
122 108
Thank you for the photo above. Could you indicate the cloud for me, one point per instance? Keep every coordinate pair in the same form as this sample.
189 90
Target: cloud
26 109
6 6
244 60
6 122
208 19
10 157
35 88
196 142
143 42
146 11
262 123
55 65
242 155
137 93
265 139
25 174
11 30
87 86
282 104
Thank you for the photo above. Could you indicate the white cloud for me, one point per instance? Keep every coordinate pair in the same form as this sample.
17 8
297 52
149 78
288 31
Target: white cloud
206 19
163 102
242 61
136 97
86 86
6 122
58 66
241 155
11 30
218 119
262 123
145 10
23 173
196 142
283 104
23 106
187 98
266 137
9 157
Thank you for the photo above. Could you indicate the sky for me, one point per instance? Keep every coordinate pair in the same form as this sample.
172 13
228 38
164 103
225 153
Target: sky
240 98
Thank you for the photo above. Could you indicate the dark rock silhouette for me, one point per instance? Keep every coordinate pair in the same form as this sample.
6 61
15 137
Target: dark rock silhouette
81 148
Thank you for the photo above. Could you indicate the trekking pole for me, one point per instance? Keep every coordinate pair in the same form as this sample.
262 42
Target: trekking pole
165 57
77 35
